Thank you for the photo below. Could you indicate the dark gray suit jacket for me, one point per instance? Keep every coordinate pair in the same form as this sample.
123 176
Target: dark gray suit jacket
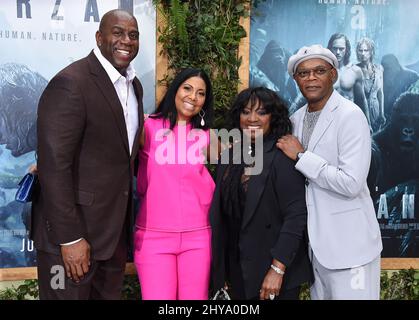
85 166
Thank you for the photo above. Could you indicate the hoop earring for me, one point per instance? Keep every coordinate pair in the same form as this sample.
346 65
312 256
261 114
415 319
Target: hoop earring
202 117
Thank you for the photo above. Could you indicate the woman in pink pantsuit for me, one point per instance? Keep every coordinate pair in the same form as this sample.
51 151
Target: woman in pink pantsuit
173 236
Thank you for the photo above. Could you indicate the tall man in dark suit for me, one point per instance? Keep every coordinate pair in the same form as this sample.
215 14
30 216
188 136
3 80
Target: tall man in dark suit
89 121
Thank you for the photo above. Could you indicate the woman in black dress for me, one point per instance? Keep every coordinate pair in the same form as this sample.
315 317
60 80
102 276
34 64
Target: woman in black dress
259 238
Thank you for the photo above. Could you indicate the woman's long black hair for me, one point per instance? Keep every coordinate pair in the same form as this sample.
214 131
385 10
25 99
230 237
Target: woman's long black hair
167 107
280 122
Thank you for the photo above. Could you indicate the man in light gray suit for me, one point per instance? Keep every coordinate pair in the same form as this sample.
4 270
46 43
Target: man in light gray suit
332 149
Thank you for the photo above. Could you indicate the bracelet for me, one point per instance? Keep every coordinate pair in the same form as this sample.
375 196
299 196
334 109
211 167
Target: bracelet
278 270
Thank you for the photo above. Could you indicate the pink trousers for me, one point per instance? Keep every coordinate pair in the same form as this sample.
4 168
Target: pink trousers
173 265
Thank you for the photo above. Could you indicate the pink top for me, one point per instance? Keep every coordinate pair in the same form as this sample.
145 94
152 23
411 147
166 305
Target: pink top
174 186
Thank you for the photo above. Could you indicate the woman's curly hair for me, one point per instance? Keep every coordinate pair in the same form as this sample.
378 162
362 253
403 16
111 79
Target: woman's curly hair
280 124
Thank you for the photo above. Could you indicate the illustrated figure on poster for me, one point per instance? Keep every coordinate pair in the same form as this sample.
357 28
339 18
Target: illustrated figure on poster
271 71
350 83
20 89
395 157
373 83
397 80
395 174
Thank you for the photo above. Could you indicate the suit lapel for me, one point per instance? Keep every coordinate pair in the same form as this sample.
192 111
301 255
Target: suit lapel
108 90
215 212
324 121
257 183
298 123
139 94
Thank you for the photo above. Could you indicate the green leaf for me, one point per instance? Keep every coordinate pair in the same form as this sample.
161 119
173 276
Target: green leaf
240 7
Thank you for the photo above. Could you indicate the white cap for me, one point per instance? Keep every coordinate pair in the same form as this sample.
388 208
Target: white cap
311 52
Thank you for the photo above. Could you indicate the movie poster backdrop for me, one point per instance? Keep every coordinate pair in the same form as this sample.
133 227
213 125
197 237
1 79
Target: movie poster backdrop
377 46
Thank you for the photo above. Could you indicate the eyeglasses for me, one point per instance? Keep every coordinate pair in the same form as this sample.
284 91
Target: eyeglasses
302 74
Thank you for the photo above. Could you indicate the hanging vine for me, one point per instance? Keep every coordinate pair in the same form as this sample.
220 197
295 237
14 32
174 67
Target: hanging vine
205 34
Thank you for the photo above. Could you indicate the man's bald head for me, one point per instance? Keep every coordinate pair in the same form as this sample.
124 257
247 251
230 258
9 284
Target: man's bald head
112 14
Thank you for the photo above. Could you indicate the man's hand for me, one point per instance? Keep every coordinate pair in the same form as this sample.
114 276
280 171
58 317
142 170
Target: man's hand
76 259
290 145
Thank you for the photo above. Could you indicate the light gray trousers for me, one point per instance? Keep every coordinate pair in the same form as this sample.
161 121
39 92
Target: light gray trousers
358 283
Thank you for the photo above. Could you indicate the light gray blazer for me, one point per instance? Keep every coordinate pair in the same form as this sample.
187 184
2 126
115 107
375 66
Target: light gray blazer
342 225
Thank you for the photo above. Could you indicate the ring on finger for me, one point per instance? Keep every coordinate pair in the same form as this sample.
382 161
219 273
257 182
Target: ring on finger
271 296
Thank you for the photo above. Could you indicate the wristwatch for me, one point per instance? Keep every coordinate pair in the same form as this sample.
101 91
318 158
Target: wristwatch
299 155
